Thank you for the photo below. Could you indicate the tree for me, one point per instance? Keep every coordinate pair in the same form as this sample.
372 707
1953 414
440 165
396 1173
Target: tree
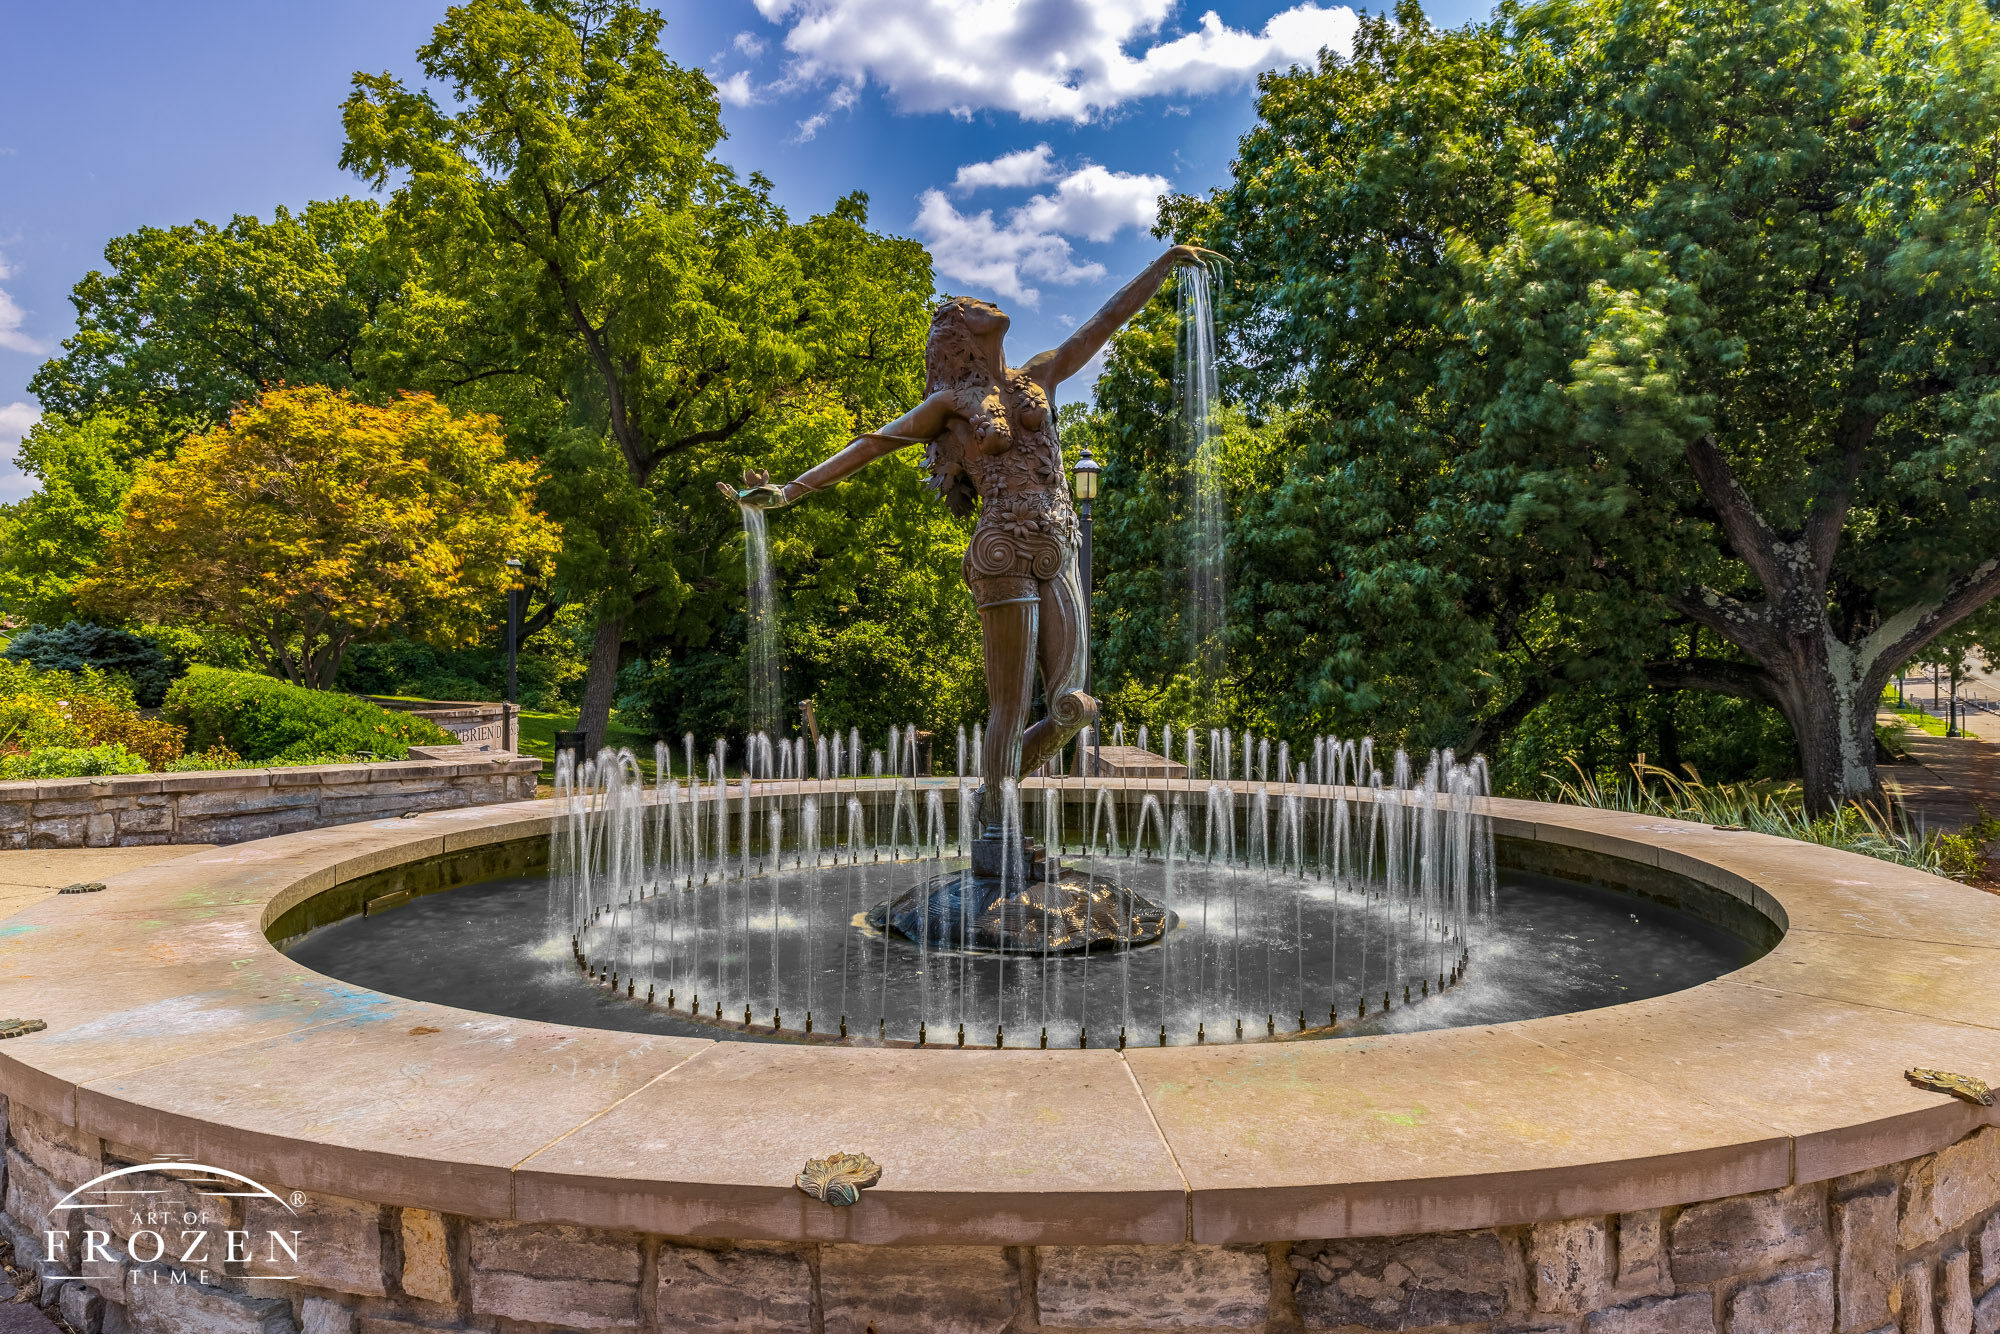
182 325
1602 322
47 541
649 315
187 322
78 644
311 521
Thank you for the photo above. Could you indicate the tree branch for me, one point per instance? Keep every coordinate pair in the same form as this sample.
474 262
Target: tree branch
1718 675
708 437
600 356
1739 623
1899 638
1509 718
477 376
1822 535
1749 536
539 621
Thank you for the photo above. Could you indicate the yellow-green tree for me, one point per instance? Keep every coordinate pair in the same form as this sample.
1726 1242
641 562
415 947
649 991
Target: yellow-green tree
311 521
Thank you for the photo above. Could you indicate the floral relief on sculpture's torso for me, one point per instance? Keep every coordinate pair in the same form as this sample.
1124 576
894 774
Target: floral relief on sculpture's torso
1016 464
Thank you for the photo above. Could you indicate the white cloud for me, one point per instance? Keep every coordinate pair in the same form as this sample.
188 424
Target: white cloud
11 318
840 99
1045 60
735 91
972 248
15 420
1032 245
749 43
1097 204
1030 166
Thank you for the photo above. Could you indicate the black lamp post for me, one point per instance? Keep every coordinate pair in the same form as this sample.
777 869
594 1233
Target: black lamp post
512 710
1083 481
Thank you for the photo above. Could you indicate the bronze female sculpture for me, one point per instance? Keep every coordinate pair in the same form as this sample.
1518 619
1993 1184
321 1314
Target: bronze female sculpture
989 434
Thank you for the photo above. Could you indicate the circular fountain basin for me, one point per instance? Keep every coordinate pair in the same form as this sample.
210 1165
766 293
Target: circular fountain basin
174 1025
1548 945
1246 914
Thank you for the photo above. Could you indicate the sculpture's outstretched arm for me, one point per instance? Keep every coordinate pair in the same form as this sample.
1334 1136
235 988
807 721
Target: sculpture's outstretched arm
919 426
1051 368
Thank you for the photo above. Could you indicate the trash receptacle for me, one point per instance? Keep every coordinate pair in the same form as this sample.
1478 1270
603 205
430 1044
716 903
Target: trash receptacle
578 746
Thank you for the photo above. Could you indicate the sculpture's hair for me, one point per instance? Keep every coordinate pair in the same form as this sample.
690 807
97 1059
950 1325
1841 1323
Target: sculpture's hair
950 359
951 362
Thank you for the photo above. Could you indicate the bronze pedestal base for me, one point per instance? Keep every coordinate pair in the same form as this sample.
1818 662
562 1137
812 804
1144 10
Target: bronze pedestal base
1021 909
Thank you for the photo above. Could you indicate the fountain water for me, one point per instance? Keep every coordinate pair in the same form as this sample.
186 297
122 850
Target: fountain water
761 583
1207 510
1244 901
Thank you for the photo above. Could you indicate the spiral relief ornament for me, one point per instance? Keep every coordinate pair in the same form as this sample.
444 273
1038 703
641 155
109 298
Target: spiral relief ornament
991 552
1071 709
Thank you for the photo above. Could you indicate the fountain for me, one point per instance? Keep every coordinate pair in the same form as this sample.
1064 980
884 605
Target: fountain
1365 893
838 895
430 1048
734 902
760 581
989 435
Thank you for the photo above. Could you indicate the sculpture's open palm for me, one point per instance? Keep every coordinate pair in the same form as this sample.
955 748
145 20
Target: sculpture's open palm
758 491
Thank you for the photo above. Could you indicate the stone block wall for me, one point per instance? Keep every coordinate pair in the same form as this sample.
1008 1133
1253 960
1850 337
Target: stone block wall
234 805
1913 1248
471 721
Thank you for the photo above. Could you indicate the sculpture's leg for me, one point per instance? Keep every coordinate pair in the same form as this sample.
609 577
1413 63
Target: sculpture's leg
1065 655
1008 632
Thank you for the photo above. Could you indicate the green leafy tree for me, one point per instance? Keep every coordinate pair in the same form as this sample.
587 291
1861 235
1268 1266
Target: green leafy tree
648 317
81 471
186 322
1602 322
182 324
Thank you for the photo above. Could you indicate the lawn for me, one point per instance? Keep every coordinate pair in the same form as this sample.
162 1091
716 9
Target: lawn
1912 715
538 738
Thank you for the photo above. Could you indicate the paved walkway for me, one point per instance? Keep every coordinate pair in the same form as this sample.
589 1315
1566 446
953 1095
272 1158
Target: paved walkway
31 876
1948 782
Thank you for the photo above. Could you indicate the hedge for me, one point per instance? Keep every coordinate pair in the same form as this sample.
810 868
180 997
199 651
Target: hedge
70 762
264 719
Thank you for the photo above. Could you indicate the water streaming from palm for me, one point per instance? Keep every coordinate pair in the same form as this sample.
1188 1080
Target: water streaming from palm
1208 517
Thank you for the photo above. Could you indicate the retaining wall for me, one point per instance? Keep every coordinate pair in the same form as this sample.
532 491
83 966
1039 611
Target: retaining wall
1913 1247
235 805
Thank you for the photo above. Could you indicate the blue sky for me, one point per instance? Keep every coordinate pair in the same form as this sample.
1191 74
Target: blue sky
1022 140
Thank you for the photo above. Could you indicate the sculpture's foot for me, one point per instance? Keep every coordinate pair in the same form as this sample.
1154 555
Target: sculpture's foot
1022 914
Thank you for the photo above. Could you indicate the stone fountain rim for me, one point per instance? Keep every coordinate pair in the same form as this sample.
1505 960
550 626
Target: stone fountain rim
176 1028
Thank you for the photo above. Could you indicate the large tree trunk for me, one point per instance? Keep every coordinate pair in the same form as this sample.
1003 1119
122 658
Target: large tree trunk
600 682
1825 689
1827 692
1825 686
